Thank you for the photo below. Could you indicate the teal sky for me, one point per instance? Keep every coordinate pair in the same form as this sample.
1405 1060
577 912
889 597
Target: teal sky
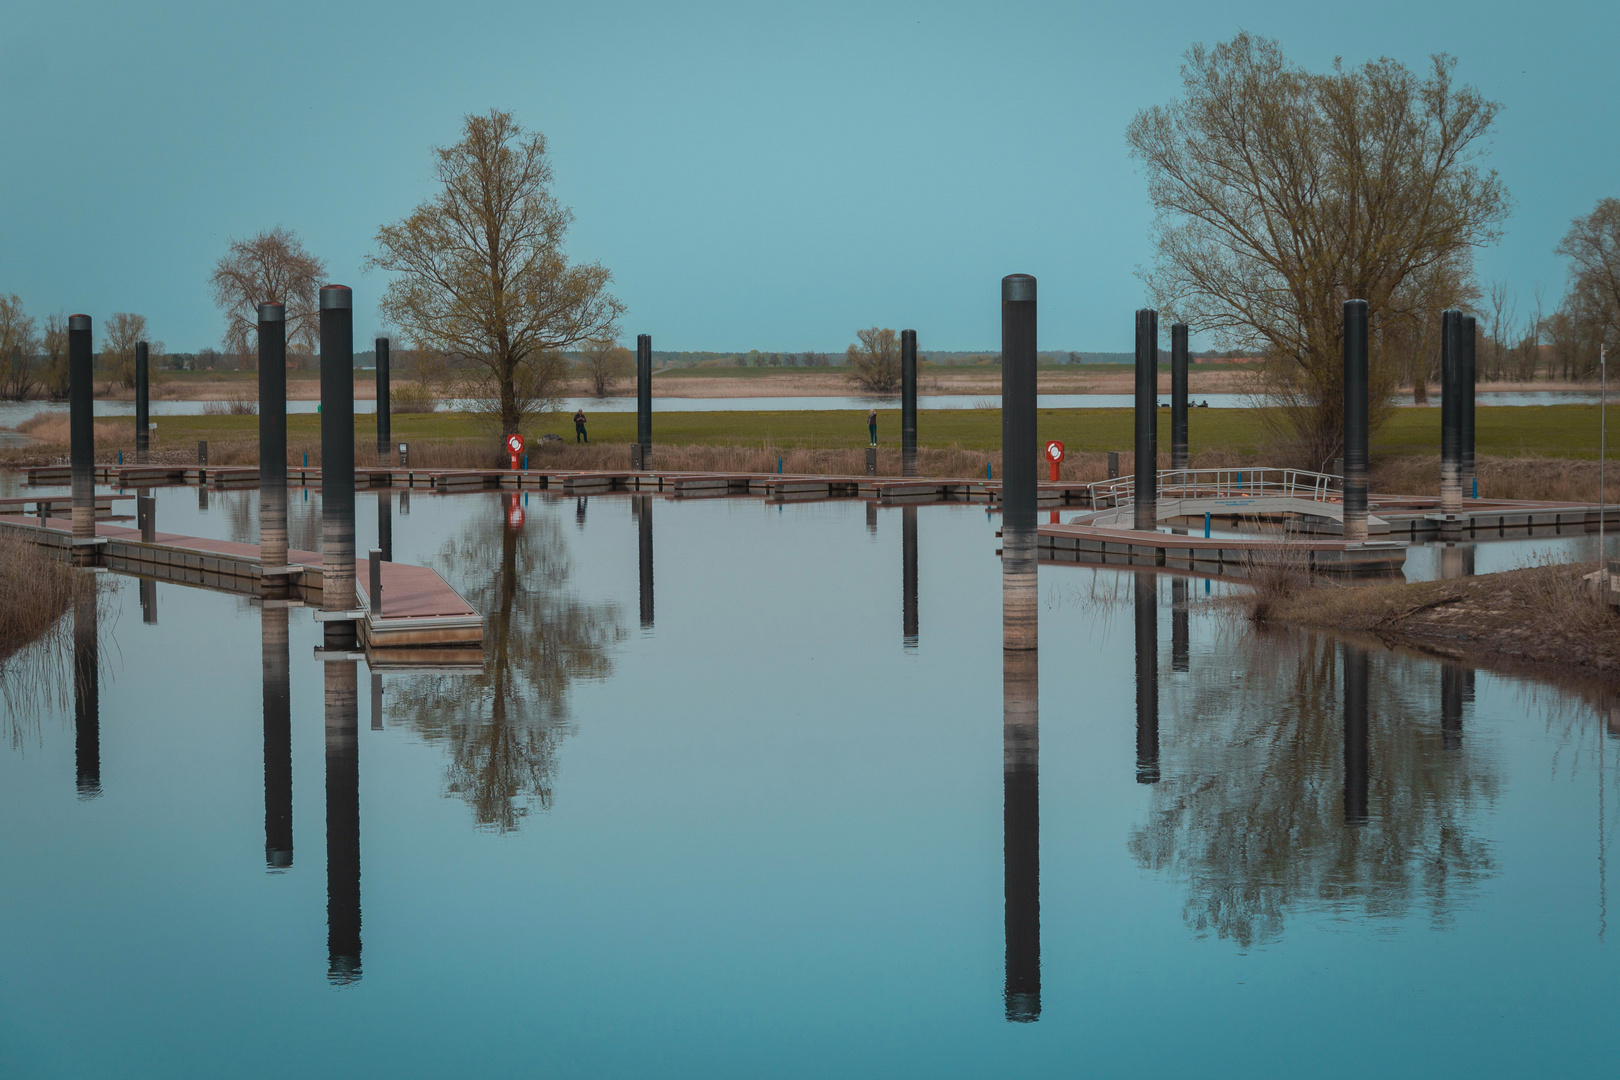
755 176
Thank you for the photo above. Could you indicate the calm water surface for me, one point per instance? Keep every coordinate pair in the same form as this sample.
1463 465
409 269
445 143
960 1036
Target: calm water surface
746 815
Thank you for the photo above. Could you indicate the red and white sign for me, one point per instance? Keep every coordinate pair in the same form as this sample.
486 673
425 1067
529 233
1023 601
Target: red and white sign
1054 451
514 443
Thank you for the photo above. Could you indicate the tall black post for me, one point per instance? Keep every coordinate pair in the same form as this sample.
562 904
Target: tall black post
1178 396
272 443
337 459
908 403
1018 455
1019 657
908 577
342 823
1355 422
87 696
1145 593
1451 706
376 701
1021 832
1180 643
645 530
1355 735
143 429
1450 412
644 397
385 434
385 524
278 828
1146 495
1465 426
82 426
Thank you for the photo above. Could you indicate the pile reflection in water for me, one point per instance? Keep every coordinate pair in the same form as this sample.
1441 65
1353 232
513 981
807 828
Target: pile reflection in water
1020 768
342 822
1304 774
87 695
641 509
502 726
278 829
908 577
1145 594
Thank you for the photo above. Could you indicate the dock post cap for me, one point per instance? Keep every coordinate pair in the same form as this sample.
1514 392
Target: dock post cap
1359 303
1018 287
273 311
336 297
78 322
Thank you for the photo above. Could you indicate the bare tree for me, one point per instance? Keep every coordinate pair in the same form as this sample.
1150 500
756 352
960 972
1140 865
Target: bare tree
1593 300
272 267
483 280
874 364
1281 193
121 331
605 364
54 378
19 374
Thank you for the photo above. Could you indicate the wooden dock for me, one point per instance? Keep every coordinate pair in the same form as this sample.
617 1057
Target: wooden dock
420 609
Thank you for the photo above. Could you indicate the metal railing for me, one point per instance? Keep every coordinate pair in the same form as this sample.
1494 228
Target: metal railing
1189 484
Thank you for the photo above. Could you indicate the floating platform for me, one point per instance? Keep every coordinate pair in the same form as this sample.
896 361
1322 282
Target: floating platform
1214 556
419 609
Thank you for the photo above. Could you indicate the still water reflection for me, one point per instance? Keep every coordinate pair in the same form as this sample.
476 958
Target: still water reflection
758 836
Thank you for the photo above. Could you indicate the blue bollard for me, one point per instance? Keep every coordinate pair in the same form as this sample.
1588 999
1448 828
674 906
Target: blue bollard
1476 487
987 475
525 465
121 459
306 463
1206 525
778 466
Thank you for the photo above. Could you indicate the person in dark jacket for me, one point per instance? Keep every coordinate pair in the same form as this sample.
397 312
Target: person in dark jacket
579 428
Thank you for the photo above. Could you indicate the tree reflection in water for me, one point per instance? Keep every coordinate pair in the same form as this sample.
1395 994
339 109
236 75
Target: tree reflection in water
1250 807
503 726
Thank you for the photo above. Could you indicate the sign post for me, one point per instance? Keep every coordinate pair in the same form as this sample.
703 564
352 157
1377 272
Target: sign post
514 448
1054 456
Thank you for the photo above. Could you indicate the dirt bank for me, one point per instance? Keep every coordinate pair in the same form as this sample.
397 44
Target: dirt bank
1542 620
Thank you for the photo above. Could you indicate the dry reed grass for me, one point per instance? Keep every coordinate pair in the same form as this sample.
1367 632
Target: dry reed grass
1530 477
35 590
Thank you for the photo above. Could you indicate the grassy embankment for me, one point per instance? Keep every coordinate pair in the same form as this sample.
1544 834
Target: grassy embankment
1545 451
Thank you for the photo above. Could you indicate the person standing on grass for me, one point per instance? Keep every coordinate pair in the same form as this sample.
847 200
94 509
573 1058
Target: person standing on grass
579 428
871 425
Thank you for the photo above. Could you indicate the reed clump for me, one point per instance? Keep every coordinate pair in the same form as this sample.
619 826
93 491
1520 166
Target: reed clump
1527 477
35 591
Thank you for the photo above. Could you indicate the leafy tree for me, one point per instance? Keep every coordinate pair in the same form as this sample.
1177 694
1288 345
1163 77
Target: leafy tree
874 364
482 278
1280 193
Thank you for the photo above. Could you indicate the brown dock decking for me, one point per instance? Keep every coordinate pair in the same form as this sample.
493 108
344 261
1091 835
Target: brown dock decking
420 609
1214 556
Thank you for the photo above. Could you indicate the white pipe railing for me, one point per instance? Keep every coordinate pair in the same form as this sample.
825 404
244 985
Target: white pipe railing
1185 484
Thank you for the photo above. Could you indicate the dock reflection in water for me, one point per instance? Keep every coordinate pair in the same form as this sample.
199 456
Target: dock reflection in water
1325 815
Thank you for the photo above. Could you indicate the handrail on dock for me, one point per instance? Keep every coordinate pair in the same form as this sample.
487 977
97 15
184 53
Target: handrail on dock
1185 484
